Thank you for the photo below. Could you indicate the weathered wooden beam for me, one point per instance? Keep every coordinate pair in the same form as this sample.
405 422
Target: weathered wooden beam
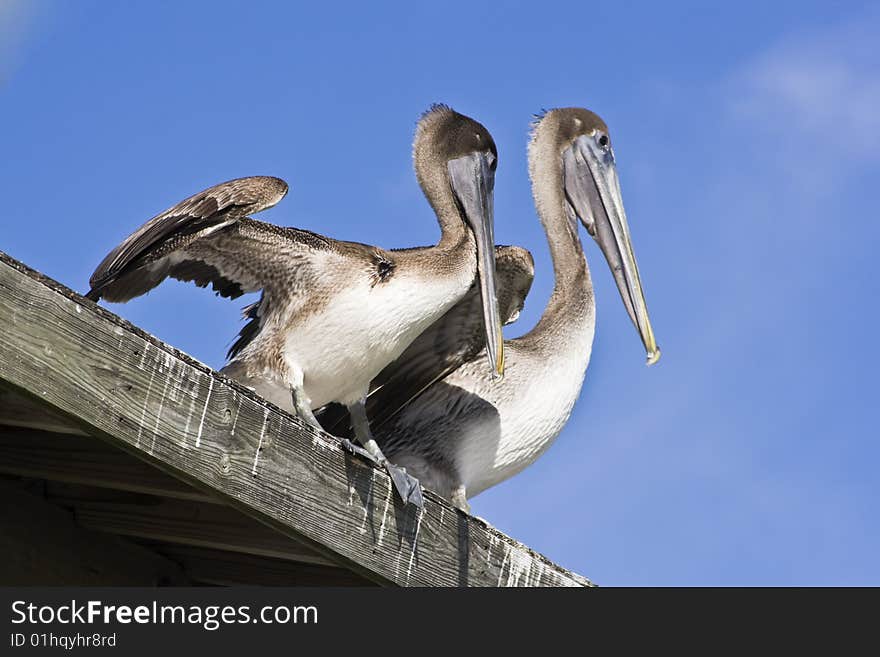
41 545
177 521
19 411
222 568
139 394
86 460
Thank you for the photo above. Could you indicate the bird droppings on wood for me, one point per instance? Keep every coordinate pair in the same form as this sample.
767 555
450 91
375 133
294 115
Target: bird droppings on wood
193 396
322 443
368 503
144 407
159 413
260 442
519 565
384 516
235 419
204 413
415 544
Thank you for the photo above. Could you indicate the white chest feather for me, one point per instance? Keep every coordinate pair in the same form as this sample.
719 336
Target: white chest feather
343 347
529 415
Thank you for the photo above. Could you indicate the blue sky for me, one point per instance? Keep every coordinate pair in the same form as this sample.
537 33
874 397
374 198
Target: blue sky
748 144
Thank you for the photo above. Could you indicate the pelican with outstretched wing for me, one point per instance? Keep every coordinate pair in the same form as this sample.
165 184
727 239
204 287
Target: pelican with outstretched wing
332 314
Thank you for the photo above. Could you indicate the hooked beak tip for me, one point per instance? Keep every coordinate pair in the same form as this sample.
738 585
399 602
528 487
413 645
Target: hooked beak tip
498 372
653 355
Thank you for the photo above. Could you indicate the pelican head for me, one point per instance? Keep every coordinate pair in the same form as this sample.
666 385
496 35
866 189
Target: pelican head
592 194
455 159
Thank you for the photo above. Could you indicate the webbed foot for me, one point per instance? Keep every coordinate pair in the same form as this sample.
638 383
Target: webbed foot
408 487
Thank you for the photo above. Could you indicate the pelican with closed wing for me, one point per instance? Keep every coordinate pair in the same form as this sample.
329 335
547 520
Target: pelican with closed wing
332 314
435 412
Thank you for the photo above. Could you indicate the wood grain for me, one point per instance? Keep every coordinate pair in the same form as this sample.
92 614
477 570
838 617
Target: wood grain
181 522
85 460
19 411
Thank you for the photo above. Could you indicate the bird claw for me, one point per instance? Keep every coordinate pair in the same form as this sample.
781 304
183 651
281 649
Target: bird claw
351 448
408 487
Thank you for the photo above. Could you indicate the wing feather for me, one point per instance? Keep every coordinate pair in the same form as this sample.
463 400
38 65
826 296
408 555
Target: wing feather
169 243
249 331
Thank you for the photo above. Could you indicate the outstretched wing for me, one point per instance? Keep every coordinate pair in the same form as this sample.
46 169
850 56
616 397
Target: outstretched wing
187 240
452 340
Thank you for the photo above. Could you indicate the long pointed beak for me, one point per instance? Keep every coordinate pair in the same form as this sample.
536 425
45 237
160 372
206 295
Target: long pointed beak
593 188
473 182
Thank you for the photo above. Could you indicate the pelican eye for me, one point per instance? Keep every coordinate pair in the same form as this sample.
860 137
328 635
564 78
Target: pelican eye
603 141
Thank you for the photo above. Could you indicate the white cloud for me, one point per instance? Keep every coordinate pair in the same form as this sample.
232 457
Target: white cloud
17 17
822 85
